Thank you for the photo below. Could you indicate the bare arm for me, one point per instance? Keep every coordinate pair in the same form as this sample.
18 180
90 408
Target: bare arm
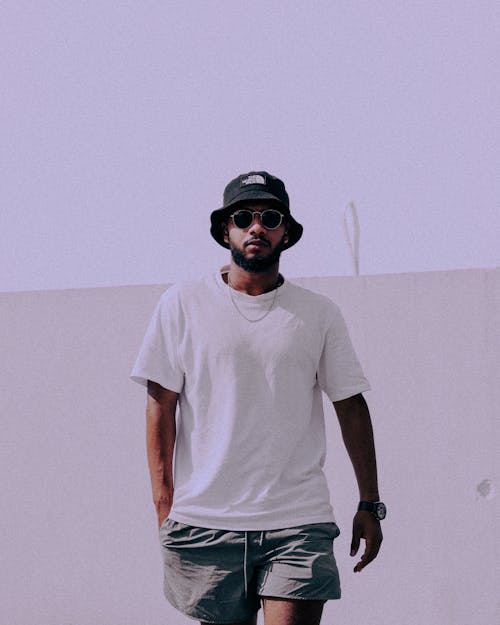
357 432
160 440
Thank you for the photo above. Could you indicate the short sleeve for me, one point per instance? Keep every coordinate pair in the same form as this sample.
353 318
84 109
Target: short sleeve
339 373
158 358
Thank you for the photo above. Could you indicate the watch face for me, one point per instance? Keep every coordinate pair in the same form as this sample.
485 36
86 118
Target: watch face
380 511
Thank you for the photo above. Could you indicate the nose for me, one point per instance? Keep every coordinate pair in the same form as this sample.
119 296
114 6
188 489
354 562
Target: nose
256 225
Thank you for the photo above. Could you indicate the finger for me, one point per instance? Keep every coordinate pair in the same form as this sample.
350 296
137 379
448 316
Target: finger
365 558
360 564
371 550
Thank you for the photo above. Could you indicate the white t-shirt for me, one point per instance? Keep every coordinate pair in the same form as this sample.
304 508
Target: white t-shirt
250 444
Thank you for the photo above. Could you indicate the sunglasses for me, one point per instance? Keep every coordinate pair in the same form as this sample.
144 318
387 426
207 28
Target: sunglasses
269 218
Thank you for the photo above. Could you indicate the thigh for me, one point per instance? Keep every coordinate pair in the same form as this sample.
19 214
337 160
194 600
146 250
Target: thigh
292 612
252 621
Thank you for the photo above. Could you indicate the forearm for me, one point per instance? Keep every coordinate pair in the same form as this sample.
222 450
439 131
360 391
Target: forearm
357 432
160 443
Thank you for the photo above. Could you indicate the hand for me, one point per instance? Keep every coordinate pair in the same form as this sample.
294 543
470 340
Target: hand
163 503
366 526
162 514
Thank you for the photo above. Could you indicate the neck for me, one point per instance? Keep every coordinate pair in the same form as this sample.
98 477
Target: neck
252 283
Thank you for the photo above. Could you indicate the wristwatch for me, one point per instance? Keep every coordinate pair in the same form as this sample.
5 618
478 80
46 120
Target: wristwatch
377 508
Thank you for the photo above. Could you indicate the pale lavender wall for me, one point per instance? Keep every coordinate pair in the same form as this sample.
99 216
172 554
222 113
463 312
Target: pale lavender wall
78 528
123 121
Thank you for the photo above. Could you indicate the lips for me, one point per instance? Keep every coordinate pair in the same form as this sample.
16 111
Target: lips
256 243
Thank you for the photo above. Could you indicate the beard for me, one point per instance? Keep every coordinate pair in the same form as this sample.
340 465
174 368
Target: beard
258 265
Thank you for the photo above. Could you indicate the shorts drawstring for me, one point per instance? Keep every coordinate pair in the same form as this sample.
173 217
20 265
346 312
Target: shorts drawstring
245 564
245 558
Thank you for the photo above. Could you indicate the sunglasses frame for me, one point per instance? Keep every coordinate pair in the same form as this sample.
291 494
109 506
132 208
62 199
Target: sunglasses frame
259 213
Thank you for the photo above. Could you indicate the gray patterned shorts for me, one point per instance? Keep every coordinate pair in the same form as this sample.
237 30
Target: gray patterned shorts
219 576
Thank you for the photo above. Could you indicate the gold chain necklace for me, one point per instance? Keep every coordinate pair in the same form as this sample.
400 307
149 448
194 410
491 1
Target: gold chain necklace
231 287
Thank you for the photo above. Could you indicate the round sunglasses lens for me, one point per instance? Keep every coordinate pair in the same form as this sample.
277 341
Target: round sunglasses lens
271 219
242 219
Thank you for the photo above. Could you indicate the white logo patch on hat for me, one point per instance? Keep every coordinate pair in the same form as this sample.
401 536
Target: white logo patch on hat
253 179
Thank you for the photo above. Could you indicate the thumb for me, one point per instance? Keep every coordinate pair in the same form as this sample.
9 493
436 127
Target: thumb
356 537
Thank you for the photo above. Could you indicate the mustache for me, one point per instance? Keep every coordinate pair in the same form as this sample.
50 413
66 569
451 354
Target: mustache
255 240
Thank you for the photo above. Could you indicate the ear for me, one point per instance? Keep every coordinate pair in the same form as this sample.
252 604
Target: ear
225 232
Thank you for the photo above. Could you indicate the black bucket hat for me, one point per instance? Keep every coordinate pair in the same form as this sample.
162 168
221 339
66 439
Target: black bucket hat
256 185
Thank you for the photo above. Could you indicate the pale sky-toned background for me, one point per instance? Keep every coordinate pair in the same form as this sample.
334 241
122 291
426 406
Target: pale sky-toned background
123 121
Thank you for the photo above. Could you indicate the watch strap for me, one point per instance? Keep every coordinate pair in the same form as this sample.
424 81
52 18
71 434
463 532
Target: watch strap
377 508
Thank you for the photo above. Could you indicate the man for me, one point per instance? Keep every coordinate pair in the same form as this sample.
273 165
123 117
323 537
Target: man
245 355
